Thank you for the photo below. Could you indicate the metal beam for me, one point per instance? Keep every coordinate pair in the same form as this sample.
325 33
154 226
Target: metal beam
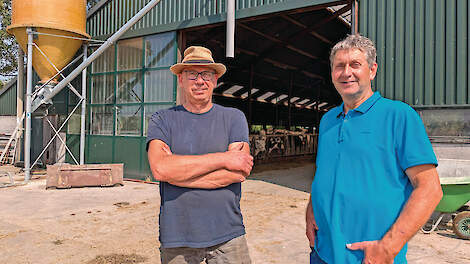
252 70
269 77
222 87
354 16
275 63
312 7
313 32
29 91
289 103
257 94
321 22
283 65
249 17
272 97
83 123
280 102
230 38
281 42
289 39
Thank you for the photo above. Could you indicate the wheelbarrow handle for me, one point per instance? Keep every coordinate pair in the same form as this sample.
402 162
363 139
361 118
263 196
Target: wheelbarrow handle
434 226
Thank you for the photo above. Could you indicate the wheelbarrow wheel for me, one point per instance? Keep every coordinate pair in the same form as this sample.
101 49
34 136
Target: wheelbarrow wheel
461 225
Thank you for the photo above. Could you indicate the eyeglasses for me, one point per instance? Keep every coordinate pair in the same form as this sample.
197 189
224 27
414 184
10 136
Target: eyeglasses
206 75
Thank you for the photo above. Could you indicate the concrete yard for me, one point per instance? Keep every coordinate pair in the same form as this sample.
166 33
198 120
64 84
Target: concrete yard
119 224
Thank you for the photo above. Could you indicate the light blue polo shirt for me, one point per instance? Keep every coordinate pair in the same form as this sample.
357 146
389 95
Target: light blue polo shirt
360 185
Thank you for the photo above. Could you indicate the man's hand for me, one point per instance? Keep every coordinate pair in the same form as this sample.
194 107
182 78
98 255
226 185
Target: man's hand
238 160
311 226
426 195
374 252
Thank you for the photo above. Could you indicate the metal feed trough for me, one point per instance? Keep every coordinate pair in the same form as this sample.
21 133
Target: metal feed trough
454 175
67 176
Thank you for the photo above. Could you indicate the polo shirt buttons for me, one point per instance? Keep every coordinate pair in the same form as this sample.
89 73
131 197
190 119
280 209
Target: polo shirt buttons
341 130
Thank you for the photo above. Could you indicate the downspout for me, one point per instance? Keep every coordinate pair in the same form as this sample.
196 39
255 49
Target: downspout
230 39
354 16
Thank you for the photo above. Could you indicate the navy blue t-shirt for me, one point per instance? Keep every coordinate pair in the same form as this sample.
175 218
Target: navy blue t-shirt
192 217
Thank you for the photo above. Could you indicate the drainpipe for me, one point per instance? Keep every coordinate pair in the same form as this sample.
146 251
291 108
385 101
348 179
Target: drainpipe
230 40
354 15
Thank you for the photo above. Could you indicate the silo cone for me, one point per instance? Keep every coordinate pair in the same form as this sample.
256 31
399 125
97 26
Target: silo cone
58 17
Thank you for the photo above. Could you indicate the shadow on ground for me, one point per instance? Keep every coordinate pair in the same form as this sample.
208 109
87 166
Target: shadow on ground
294 173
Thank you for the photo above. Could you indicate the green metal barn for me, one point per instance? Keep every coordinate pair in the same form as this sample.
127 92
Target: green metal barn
279 76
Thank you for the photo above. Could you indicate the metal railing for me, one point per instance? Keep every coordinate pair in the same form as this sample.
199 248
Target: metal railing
266 147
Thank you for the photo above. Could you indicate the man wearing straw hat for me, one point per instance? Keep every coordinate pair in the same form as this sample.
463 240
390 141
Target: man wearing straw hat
200 154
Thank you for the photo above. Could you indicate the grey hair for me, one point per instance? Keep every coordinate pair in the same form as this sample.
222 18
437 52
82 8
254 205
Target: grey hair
356 42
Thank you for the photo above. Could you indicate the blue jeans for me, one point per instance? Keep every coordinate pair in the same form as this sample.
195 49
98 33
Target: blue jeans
315 259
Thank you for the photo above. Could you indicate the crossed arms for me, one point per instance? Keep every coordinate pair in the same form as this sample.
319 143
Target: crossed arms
209 171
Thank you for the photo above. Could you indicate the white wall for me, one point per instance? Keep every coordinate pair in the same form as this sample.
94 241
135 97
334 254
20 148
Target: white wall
452 151
7 124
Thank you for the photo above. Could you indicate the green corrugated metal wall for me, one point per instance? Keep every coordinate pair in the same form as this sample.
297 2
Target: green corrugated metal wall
8 101
422 49
177 14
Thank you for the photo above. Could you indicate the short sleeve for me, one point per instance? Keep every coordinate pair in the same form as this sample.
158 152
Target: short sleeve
158 128
413 147
238 128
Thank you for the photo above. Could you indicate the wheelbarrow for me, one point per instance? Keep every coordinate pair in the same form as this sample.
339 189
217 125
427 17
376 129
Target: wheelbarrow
454 175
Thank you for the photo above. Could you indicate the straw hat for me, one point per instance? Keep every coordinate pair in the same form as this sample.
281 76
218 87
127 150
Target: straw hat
198 56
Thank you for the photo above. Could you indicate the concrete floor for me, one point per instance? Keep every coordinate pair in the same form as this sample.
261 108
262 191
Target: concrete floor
119 224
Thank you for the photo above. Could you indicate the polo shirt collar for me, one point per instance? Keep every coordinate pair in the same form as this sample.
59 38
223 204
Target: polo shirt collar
364 107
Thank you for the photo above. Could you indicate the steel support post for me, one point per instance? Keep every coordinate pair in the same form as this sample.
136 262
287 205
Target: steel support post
250 106
29 90
82 126
354 16
289 103
230 38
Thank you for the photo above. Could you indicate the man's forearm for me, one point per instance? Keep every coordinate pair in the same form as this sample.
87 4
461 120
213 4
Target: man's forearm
416 212
181 168
166 166
212 180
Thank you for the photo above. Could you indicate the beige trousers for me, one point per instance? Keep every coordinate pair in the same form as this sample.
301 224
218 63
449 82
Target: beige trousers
234 251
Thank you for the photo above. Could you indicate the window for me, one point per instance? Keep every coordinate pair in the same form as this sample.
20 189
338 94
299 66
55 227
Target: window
102 120
130 54
102 89
129 89
157 83
128 120
74 122
105 62
160 50
128 83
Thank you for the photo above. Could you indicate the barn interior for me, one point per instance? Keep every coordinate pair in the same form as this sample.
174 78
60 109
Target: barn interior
280 75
